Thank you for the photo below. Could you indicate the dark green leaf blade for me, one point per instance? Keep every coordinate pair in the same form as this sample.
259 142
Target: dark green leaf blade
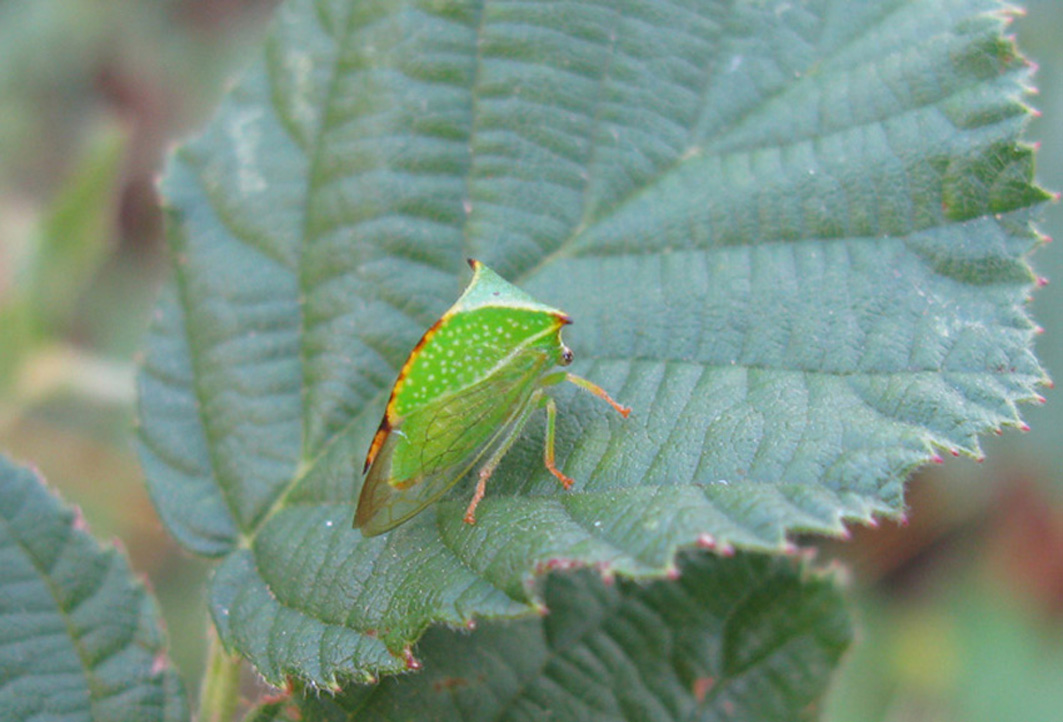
750 638
795 243
80 639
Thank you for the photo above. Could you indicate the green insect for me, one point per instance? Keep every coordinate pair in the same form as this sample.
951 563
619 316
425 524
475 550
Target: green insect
462 397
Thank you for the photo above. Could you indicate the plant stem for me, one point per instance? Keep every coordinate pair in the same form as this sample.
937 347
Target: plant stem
220 694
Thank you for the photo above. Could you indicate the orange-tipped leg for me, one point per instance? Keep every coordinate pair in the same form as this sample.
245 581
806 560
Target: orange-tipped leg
548 449
496 457
599 392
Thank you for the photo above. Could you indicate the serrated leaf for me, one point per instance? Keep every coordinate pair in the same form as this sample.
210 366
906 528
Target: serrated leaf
794 242
748 638
80 639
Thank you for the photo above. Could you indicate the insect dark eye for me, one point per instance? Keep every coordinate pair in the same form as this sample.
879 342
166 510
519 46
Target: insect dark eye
566 357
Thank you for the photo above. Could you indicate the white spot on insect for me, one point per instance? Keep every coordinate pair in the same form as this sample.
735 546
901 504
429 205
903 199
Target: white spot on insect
328 523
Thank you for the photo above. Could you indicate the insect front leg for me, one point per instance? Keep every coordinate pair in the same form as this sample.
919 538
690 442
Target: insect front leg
500 451
599 392
548 448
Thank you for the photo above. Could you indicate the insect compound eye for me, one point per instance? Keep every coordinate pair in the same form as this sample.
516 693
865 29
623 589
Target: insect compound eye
566 356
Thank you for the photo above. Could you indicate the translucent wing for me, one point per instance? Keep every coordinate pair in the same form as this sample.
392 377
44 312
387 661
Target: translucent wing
431 449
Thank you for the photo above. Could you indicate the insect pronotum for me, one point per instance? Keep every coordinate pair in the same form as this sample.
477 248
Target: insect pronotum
462 398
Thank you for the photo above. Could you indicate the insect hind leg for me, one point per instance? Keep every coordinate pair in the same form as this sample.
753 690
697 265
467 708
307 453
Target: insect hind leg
496 456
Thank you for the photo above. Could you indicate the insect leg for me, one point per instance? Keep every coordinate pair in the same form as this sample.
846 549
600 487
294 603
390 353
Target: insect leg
597 391
500 451
548 449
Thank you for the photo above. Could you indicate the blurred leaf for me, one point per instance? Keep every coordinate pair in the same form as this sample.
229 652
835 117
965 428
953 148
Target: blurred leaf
61 254
80 639
78 230
794 242
746 638
969 651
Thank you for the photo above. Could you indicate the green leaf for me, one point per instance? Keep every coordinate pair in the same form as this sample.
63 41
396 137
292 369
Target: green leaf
277 711
81 639
793 242
746 638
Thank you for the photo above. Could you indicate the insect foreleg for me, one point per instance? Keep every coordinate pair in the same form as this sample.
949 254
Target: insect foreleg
597 391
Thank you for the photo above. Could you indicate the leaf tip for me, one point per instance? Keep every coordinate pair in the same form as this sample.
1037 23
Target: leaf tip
159 664
412 663
80 523
702 687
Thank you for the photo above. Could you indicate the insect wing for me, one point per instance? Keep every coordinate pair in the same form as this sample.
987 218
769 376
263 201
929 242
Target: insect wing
383 506
434 447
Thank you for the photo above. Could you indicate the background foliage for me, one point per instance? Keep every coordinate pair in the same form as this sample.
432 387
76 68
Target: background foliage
58 410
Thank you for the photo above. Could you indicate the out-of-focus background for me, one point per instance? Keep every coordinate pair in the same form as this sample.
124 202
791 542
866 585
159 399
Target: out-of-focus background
92 95
960 609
